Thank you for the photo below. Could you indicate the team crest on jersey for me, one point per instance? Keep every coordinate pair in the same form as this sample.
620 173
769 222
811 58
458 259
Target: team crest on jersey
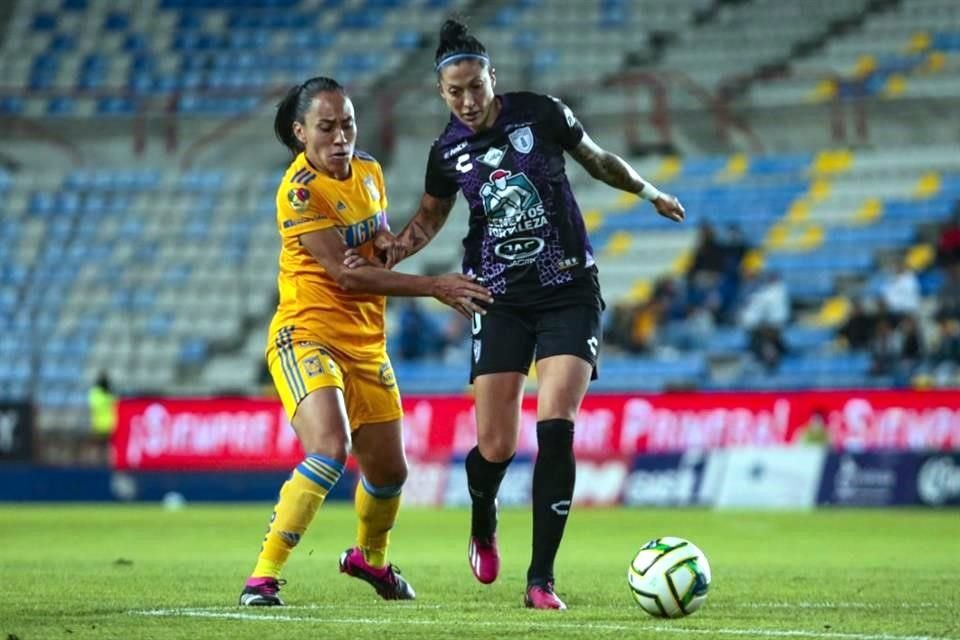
522 139
387 378
372 187
299 198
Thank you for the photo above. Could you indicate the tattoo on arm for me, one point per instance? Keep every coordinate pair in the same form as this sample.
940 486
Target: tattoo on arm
426 222
607 167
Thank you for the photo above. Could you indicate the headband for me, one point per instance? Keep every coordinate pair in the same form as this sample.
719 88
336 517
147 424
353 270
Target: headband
462 56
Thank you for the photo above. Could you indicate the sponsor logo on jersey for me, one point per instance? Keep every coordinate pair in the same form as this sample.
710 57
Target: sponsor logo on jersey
493 157
356 234
519 251
449 153
512 204
522 139
299 198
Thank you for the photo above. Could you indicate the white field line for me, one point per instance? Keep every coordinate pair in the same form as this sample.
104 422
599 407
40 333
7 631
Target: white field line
825 604
547 626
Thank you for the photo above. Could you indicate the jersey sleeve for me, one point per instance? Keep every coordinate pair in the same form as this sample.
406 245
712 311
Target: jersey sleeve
300 210
382 185
436 183
568 128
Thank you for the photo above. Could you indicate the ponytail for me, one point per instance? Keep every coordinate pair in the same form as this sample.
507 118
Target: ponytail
294 106
457 43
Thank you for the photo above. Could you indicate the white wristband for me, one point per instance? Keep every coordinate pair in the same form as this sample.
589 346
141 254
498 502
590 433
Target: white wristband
649 192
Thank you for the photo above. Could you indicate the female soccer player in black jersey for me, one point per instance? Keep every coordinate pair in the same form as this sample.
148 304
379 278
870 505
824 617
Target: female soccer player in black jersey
527 243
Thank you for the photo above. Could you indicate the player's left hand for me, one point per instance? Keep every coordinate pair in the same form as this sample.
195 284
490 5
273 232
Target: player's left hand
352 259
669 207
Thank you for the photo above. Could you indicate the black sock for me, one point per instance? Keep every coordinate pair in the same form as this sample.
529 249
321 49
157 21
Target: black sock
554 475
483 481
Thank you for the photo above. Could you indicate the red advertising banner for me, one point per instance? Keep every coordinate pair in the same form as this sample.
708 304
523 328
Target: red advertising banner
245 434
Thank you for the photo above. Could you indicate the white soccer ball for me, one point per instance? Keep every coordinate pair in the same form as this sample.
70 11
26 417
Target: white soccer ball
669 577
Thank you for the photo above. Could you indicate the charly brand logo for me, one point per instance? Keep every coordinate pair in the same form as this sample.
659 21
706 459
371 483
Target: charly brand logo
522 139
512 204
939 480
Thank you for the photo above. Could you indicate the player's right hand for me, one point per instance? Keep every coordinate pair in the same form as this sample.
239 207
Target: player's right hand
390 248
669 207
462 293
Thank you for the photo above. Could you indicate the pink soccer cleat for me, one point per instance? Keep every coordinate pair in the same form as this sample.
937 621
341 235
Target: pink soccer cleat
387 580
262 592
484 557
542 597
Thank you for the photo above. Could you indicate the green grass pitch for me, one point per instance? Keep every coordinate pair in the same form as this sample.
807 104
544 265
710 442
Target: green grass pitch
142 572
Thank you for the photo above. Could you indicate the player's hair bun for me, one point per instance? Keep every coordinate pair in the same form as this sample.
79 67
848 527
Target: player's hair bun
453 32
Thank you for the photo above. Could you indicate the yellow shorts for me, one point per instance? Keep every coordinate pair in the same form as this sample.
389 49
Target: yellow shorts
300 364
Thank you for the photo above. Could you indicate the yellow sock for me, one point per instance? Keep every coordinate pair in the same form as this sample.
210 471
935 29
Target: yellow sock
300 497
377 512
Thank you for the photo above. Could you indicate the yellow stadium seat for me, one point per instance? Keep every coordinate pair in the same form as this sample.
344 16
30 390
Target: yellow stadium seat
832 161
737 166
592 220
920 256
869 211
895 86
669 169
833 312
927 186
918 43
619 243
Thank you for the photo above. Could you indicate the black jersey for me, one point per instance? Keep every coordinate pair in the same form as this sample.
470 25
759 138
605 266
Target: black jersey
526 237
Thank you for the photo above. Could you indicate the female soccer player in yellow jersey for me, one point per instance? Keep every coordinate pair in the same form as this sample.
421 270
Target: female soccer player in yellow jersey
327 349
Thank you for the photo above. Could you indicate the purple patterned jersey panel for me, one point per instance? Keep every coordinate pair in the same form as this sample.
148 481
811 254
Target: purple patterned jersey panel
526 232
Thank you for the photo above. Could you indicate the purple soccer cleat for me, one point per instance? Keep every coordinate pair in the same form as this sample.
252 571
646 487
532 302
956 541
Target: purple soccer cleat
387 580
542 597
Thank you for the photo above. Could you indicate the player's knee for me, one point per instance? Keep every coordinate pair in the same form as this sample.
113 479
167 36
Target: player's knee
387 485
498 449
335 450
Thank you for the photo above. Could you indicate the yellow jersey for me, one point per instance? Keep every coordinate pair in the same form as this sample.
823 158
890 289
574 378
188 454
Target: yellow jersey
310 299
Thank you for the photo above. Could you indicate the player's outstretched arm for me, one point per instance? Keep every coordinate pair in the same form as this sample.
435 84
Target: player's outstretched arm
423 226
615 171
453 289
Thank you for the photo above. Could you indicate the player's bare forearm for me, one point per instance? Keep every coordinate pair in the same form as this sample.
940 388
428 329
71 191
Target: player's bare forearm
607 167
425 224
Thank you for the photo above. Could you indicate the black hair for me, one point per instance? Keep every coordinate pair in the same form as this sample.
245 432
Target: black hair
456 38
294 106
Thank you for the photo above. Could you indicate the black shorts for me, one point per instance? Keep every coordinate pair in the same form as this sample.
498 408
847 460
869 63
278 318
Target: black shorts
507 338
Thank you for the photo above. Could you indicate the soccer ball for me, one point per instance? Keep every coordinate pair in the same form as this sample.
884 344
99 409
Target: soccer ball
669 577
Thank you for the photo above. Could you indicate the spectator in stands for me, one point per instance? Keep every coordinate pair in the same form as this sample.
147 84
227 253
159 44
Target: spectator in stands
527 240
948 243
945 357
103 407
948 296
857 330
901 292
764 314
767 345
707 271
327 350
885 347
